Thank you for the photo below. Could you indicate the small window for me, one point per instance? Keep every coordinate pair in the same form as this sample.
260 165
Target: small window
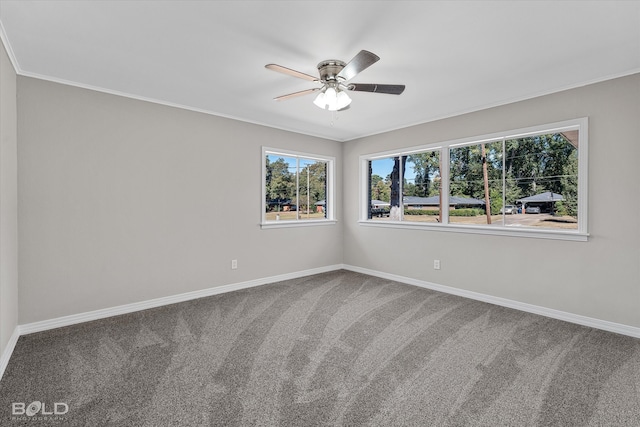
530 182
297 189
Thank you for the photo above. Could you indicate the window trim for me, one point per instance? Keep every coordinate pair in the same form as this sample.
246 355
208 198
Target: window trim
581 234
330 196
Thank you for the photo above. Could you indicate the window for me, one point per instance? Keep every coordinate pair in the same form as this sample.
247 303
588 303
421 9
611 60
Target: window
529 182
420 187
297 189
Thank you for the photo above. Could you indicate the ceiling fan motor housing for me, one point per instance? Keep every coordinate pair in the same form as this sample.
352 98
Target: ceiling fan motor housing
330 69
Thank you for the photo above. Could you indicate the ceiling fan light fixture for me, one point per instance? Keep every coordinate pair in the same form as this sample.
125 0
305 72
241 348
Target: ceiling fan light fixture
332 99
320 100
330 93
343 100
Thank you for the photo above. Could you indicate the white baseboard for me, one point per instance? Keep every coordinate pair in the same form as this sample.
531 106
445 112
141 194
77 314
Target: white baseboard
529 308
8 350
45 325
73 319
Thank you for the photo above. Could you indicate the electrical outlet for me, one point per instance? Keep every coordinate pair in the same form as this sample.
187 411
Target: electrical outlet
436 264
234 264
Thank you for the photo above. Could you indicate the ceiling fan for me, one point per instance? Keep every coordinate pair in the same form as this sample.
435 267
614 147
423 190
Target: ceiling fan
334 78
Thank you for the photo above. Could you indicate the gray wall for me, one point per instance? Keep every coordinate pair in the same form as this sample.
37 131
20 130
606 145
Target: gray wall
8 201
599 278
123 201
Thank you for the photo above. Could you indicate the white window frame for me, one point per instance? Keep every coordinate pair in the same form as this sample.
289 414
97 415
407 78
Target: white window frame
581 234
330 191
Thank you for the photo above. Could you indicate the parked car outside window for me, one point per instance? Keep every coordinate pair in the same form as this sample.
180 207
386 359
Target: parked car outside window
509 210
532 210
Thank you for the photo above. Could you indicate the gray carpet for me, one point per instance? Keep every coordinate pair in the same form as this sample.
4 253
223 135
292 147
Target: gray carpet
339 348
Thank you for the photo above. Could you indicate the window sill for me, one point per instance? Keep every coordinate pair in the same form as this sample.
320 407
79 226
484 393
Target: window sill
495 231
297 223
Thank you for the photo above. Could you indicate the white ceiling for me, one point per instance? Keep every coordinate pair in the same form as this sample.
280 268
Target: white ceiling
453 56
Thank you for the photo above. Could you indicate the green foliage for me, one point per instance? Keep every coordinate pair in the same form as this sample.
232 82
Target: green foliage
432 212
532 165
512 191
453 212
561 209
380 189
467 178
280 183
542 163
495 199
466 212
569 183
426 167
316 174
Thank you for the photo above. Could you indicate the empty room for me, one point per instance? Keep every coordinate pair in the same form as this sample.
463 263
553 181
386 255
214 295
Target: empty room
319 213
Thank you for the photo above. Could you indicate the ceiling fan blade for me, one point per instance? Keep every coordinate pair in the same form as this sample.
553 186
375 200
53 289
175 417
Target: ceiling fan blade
372 87
363 60
294 94
289 71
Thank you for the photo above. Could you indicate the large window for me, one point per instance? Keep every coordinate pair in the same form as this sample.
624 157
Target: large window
297 188
529 182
